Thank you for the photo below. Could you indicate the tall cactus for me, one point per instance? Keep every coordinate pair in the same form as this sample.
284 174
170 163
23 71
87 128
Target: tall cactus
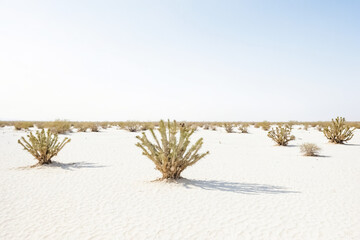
170 155
338 131
281 135
43 146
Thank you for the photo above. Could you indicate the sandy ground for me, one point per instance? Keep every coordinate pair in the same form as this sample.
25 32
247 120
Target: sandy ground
247 188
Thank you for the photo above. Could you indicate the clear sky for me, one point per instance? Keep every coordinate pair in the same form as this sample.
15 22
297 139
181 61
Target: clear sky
185 60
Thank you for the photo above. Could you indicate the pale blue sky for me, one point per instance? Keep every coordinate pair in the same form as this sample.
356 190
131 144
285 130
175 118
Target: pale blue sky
184 60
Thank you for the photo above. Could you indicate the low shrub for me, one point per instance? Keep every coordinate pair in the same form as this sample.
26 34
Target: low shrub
338 131
309 149
281 135
170 155
23 125
58 126
43 146
132 127
228 128
244 128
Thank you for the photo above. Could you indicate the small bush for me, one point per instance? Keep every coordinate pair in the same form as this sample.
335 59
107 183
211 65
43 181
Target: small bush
58 126
43 146
146 126
281 135
244 128
338 131
170 155
132 127
206 127
228 128
309 149
265 125
213 128
23 125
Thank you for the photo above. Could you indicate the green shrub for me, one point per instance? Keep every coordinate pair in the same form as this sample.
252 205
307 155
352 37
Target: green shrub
43 146
170 155
281 135
309 149
338 131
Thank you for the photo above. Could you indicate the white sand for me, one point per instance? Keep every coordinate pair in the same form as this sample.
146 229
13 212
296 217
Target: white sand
247 188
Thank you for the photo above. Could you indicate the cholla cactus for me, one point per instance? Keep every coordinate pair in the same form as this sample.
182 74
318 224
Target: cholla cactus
338 131
281 135
43 146
172 156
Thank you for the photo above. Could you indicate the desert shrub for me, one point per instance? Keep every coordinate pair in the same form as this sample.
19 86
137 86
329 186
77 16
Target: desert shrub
132 127
213 128
206 127
58 126
170 155
43 146
306 127
93 127
228 127
338 131
146 126
309 149
244 128
23 125
281 135
265 125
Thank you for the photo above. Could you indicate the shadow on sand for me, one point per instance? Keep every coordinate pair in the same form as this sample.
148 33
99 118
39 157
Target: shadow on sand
65 166
235 187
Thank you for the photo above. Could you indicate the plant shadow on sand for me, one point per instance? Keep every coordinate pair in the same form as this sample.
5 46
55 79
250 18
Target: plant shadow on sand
65 166
235 187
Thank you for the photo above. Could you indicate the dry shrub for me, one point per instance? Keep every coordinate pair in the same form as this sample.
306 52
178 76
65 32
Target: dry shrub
338 131
58 126
132 127
281 135
43 146
23 125
309 149
244 128
171 155
228 128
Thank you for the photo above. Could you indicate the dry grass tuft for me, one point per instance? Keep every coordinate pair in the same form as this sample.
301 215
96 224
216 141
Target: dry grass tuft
309 149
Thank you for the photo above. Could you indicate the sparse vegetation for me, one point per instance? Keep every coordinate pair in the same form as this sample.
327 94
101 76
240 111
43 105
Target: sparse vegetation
170 155
132 127
23 125
281 135
309 149
265 125
43 145
338 131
